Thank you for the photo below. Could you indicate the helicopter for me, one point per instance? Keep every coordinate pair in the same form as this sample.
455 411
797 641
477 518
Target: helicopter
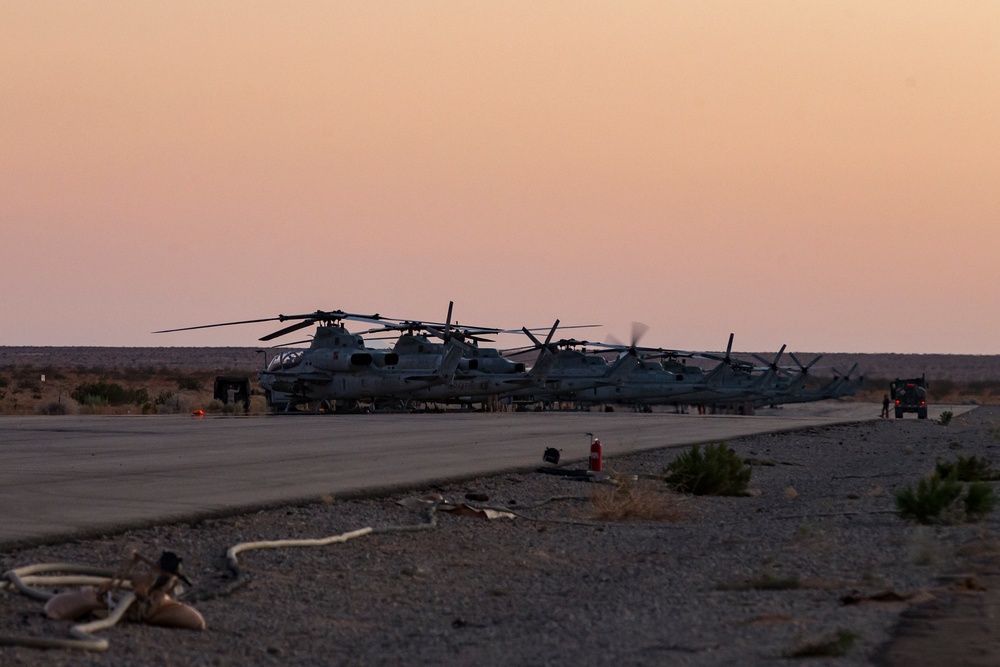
733 385
339 370
573 370
648 380
337 366
472 385
441 362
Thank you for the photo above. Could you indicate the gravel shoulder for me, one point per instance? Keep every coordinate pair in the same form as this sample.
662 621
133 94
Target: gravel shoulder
717 581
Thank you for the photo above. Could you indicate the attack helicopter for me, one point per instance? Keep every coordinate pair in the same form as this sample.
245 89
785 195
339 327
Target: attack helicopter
572 370
336 366
338 370
441 362
837 387
739 386
732 385
649 380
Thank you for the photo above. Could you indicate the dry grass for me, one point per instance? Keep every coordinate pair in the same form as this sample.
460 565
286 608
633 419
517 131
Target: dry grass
23 392
835 646
631 499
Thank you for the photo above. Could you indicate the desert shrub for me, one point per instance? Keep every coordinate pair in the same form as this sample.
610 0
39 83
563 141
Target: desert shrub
943 387
633 499
836 646
968 469
933 498
719 471
980 501
189 383
980 387
29 384
170 404
945 417
937 499
51 408
4 382
215 405
138 374
108 393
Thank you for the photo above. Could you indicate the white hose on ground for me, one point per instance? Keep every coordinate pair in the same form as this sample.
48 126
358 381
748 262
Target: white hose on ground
281 544
428 514
25 578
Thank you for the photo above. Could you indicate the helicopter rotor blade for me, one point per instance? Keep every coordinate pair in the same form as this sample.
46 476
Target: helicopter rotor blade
638 331
613 341
532 337
552 331
221 324
564 326
287 330
797 362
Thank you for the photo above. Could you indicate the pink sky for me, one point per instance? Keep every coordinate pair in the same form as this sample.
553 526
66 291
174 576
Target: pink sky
821 174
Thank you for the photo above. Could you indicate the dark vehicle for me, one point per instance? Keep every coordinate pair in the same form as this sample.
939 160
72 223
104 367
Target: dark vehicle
232 390
909 396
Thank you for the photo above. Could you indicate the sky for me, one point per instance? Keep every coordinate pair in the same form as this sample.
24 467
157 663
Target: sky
824 175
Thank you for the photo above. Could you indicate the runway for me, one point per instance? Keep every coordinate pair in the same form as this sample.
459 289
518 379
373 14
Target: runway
82 475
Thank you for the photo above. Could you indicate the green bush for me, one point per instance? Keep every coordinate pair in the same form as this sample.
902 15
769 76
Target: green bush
980 501
939 499
189 382
945 417
968 469
932 499
718 471
108 393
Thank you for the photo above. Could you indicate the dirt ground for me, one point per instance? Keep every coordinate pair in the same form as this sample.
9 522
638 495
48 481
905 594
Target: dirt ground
814 555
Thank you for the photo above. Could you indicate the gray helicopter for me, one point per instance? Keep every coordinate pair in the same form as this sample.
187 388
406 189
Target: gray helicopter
337 366
573 370
339 371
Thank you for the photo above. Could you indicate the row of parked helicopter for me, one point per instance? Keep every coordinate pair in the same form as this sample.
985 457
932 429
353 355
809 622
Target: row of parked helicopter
442 363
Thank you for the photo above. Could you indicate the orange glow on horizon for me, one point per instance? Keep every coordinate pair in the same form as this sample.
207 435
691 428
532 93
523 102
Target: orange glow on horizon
804 173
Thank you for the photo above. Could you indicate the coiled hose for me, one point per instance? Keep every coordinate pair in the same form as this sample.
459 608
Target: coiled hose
25 579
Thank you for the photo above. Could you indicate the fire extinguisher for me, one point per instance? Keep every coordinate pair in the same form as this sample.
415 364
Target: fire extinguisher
595 456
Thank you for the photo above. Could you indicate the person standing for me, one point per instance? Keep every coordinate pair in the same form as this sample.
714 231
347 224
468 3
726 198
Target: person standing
885 406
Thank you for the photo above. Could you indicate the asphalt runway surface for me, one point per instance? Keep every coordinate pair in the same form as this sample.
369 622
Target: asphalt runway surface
74 476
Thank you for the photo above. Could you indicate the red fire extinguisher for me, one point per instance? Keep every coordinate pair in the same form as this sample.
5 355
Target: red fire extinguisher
595 456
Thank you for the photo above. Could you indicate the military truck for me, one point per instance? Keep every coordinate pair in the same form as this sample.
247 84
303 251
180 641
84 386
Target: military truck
909 395
233 389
